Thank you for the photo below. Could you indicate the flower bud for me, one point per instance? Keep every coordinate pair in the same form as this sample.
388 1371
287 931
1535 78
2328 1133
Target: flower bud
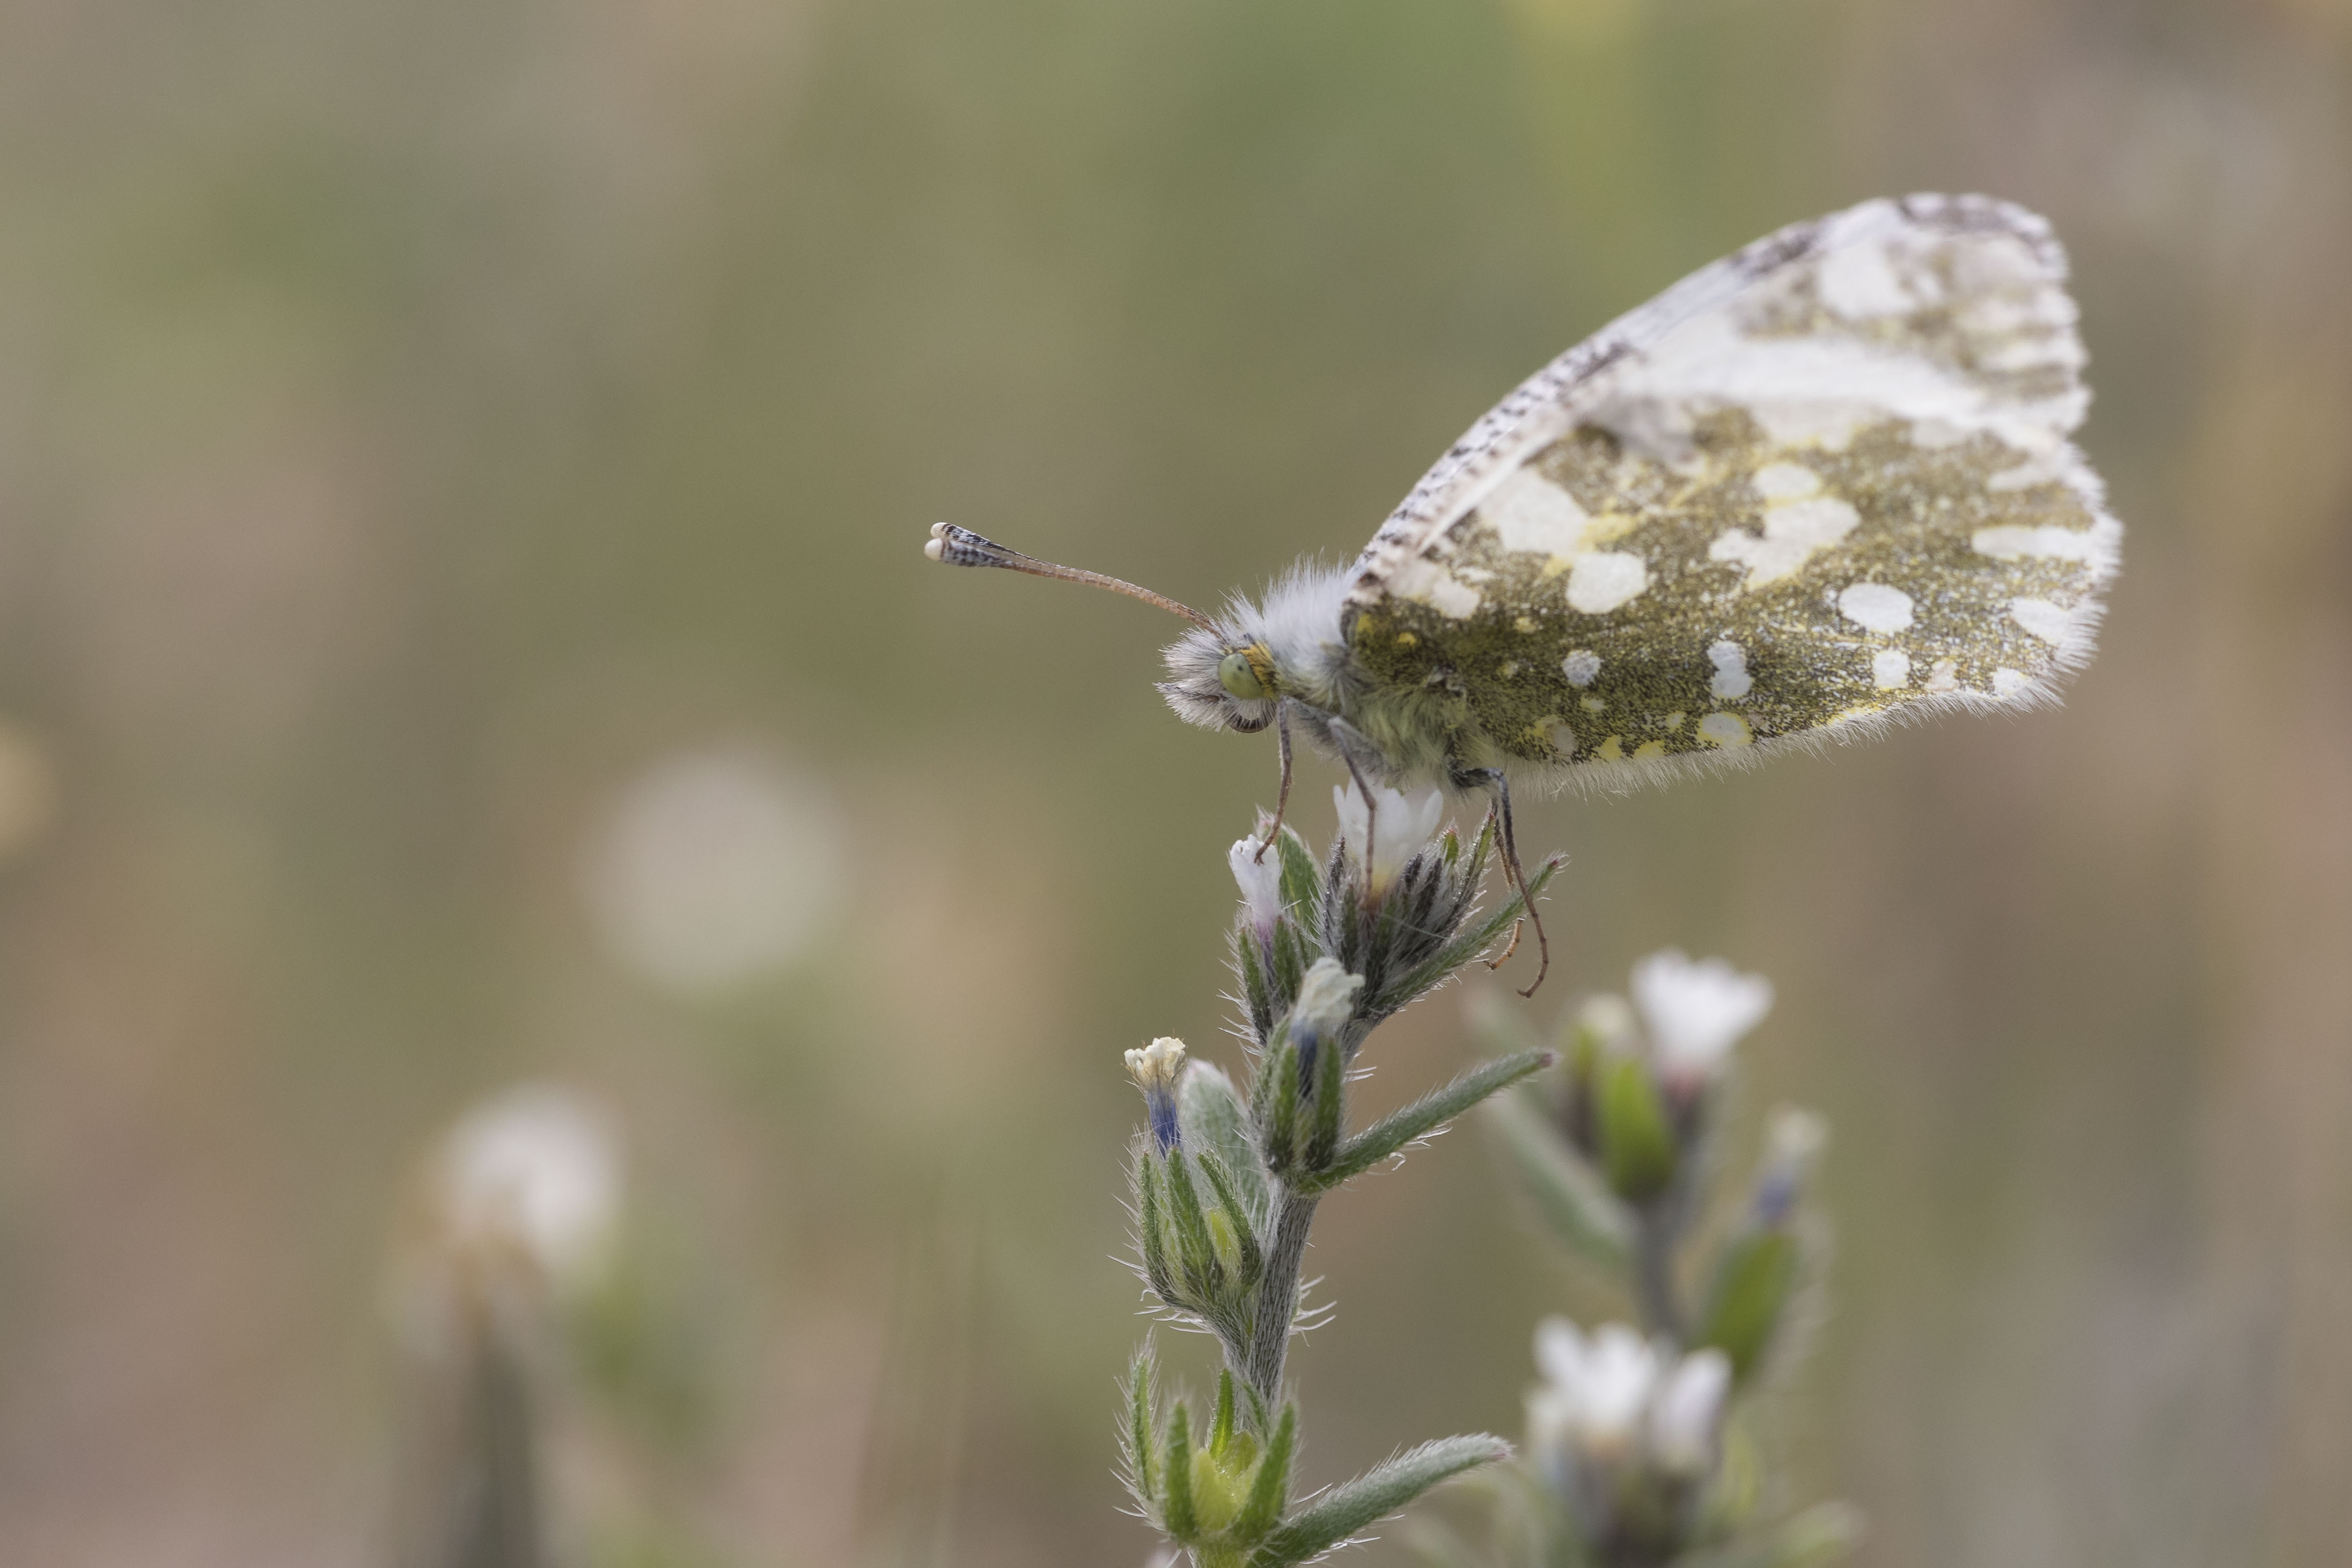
1257 870
1155 1068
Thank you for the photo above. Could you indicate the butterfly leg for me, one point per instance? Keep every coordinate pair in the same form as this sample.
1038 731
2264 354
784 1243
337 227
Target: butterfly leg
1282 797
1493 778
1351 740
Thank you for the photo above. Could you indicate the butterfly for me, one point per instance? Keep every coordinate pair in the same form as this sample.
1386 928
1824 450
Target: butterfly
1822 485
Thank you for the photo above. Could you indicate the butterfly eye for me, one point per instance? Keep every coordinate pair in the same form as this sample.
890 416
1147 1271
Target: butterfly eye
1239 676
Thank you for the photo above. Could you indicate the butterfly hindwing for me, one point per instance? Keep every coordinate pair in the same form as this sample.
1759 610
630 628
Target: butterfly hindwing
1824 481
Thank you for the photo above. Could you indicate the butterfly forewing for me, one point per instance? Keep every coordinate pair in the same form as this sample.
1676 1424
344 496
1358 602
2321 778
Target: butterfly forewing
1825 481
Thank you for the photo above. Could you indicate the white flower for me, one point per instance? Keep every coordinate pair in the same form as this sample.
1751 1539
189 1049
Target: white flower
1614 1396
1155 1066
1594 1389
1696 1012
533 1171
1398 829
1327 999
1688 1410
1261 883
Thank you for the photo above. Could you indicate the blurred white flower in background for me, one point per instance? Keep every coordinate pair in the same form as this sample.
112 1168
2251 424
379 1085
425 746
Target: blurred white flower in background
1696 1010
1613 1397
534 1172
1686 1411
1594 1388
714 868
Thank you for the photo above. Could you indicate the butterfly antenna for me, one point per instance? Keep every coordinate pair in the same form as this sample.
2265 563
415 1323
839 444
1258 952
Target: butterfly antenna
961 547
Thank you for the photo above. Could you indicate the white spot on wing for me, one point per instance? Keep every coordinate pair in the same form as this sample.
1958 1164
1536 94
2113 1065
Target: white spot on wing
1943 676
1859 282
1426 583
2046 620
1890 669
1581 667
1876 607
1785 481
2013 543
1725 730
1605 580
2008 683
1731 679
1791 534
1532 516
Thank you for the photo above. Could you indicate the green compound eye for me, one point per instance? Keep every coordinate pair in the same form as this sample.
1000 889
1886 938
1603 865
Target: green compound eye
1239 676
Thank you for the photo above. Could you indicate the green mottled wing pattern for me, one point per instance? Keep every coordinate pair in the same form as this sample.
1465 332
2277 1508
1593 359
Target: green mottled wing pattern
1820 486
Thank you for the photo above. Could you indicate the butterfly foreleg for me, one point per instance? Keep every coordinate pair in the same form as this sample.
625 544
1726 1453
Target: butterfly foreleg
1506 836
1282 794
1353 743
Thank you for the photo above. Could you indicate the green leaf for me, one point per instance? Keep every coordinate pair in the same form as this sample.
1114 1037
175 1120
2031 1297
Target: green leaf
1250 1259
1176 1515
1153 1218
1140 1398
1270 1491
1215 1121
1753 1278
1278 1091
1220 1430
1302 879
1198 1253
1568 1193
1330 1103
1426 1115
1637 1149
1476 940
1339 1513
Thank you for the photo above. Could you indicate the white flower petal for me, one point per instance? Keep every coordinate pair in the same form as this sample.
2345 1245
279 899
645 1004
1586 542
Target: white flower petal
1619 1376
1260 880
1561 1352
1689 1406
535 1169
1696 1012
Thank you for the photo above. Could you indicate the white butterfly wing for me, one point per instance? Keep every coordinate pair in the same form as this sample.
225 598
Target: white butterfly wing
1827 480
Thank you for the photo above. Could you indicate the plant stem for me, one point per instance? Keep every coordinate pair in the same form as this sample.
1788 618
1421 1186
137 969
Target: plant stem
1653 1268
1277 1297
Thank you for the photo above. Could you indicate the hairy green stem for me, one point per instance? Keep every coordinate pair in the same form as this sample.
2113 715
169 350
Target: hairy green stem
1277 1296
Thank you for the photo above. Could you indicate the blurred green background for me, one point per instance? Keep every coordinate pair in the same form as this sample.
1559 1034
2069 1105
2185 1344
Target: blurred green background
452 456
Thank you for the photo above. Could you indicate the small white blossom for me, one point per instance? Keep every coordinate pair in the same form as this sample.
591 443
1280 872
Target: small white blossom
1402 825
1327 999
1696 1012
1155 1068
1594 1390
1687 1411
1261 883
1614 1397
533 1172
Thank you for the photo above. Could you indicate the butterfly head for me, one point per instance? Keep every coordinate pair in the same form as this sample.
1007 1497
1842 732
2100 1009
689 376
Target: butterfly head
1223 677
1232 674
